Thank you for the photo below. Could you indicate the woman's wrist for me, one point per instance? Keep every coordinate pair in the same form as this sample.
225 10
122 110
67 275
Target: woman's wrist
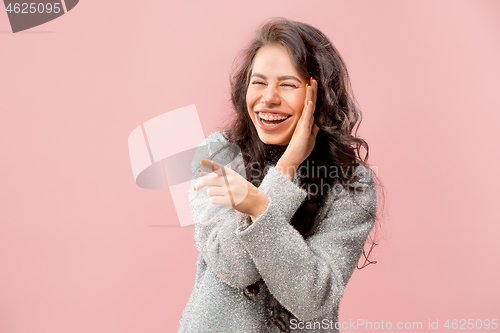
260 207
286 167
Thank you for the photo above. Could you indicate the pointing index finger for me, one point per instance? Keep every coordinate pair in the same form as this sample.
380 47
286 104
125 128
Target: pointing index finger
214 166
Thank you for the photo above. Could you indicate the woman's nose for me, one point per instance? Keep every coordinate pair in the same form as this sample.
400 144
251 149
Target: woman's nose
270 96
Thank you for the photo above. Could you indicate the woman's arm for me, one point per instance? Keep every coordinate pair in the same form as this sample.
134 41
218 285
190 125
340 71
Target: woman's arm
309 277
215 227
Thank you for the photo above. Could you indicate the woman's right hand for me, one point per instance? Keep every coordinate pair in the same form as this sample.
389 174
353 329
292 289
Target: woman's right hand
230 189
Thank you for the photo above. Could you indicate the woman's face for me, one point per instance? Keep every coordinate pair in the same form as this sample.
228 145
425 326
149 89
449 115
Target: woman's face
276 90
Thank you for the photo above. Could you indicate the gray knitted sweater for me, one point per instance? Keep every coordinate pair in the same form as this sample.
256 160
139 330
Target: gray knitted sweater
307 277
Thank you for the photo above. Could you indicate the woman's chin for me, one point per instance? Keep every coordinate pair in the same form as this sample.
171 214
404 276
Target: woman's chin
273 140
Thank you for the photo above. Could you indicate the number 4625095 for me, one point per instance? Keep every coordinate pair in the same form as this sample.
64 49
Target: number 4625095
471 324
33 8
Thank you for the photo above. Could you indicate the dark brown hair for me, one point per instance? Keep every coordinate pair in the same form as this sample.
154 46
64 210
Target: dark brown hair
312 54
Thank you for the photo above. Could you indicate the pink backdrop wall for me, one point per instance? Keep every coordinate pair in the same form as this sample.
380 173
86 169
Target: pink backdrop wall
83 249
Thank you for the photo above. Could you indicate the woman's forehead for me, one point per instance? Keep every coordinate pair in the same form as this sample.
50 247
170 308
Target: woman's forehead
273 61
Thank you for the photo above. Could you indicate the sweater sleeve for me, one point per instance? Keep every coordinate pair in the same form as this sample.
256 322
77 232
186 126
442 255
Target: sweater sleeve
215 227
308 277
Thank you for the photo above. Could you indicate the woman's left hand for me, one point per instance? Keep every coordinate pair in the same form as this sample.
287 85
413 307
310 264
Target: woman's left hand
304 137
229 188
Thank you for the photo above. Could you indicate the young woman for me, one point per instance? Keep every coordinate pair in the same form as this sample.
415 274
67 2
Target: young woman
280 233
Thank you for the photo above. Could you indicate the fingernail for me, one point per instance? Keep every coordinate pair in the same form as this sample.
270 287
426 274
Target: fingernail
311 80
307 102
195 188
199 170
203 162
306 86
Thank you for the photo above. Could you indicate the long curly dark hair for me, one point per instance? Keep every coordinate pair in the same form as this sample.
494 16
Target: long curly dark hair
337 144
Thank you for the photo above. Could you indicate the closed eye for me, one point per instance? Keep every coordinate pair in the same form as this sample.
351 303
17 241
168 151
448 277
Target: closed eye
284 84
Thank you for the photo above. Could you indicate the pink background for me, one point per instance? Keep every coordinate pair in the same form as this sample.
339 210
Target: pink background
83 249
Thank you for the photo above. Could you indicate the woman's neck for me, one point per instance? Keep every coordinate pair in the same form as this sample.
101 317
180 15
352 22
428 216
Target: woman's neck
274 152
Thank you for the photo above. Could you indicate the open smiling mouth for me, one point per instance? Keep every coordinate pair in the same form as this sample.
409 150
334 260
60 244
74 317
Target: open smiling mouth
272 121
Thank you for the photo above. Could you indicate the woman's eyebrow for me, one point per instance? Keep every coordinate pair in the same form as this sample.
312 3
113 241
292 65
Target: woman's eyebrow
281 78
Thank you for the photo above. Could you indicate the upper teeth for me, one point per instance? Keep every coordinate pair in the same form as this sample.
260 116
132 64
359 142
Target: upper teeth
272 117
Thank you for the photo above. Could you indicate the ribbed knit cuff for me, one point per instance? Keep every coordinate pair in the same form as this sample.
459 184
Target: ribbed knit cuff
284 196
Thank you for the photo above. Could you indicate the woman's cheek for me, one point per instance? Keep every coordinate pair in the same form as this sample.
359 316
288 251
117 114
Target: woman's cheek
251 97
298 103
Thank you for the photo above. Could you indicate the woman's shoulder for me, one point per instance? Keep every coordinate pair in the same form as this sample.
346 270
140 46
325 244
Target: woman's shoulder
361 187
364 175
215 136
361 177
216 147
215 141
